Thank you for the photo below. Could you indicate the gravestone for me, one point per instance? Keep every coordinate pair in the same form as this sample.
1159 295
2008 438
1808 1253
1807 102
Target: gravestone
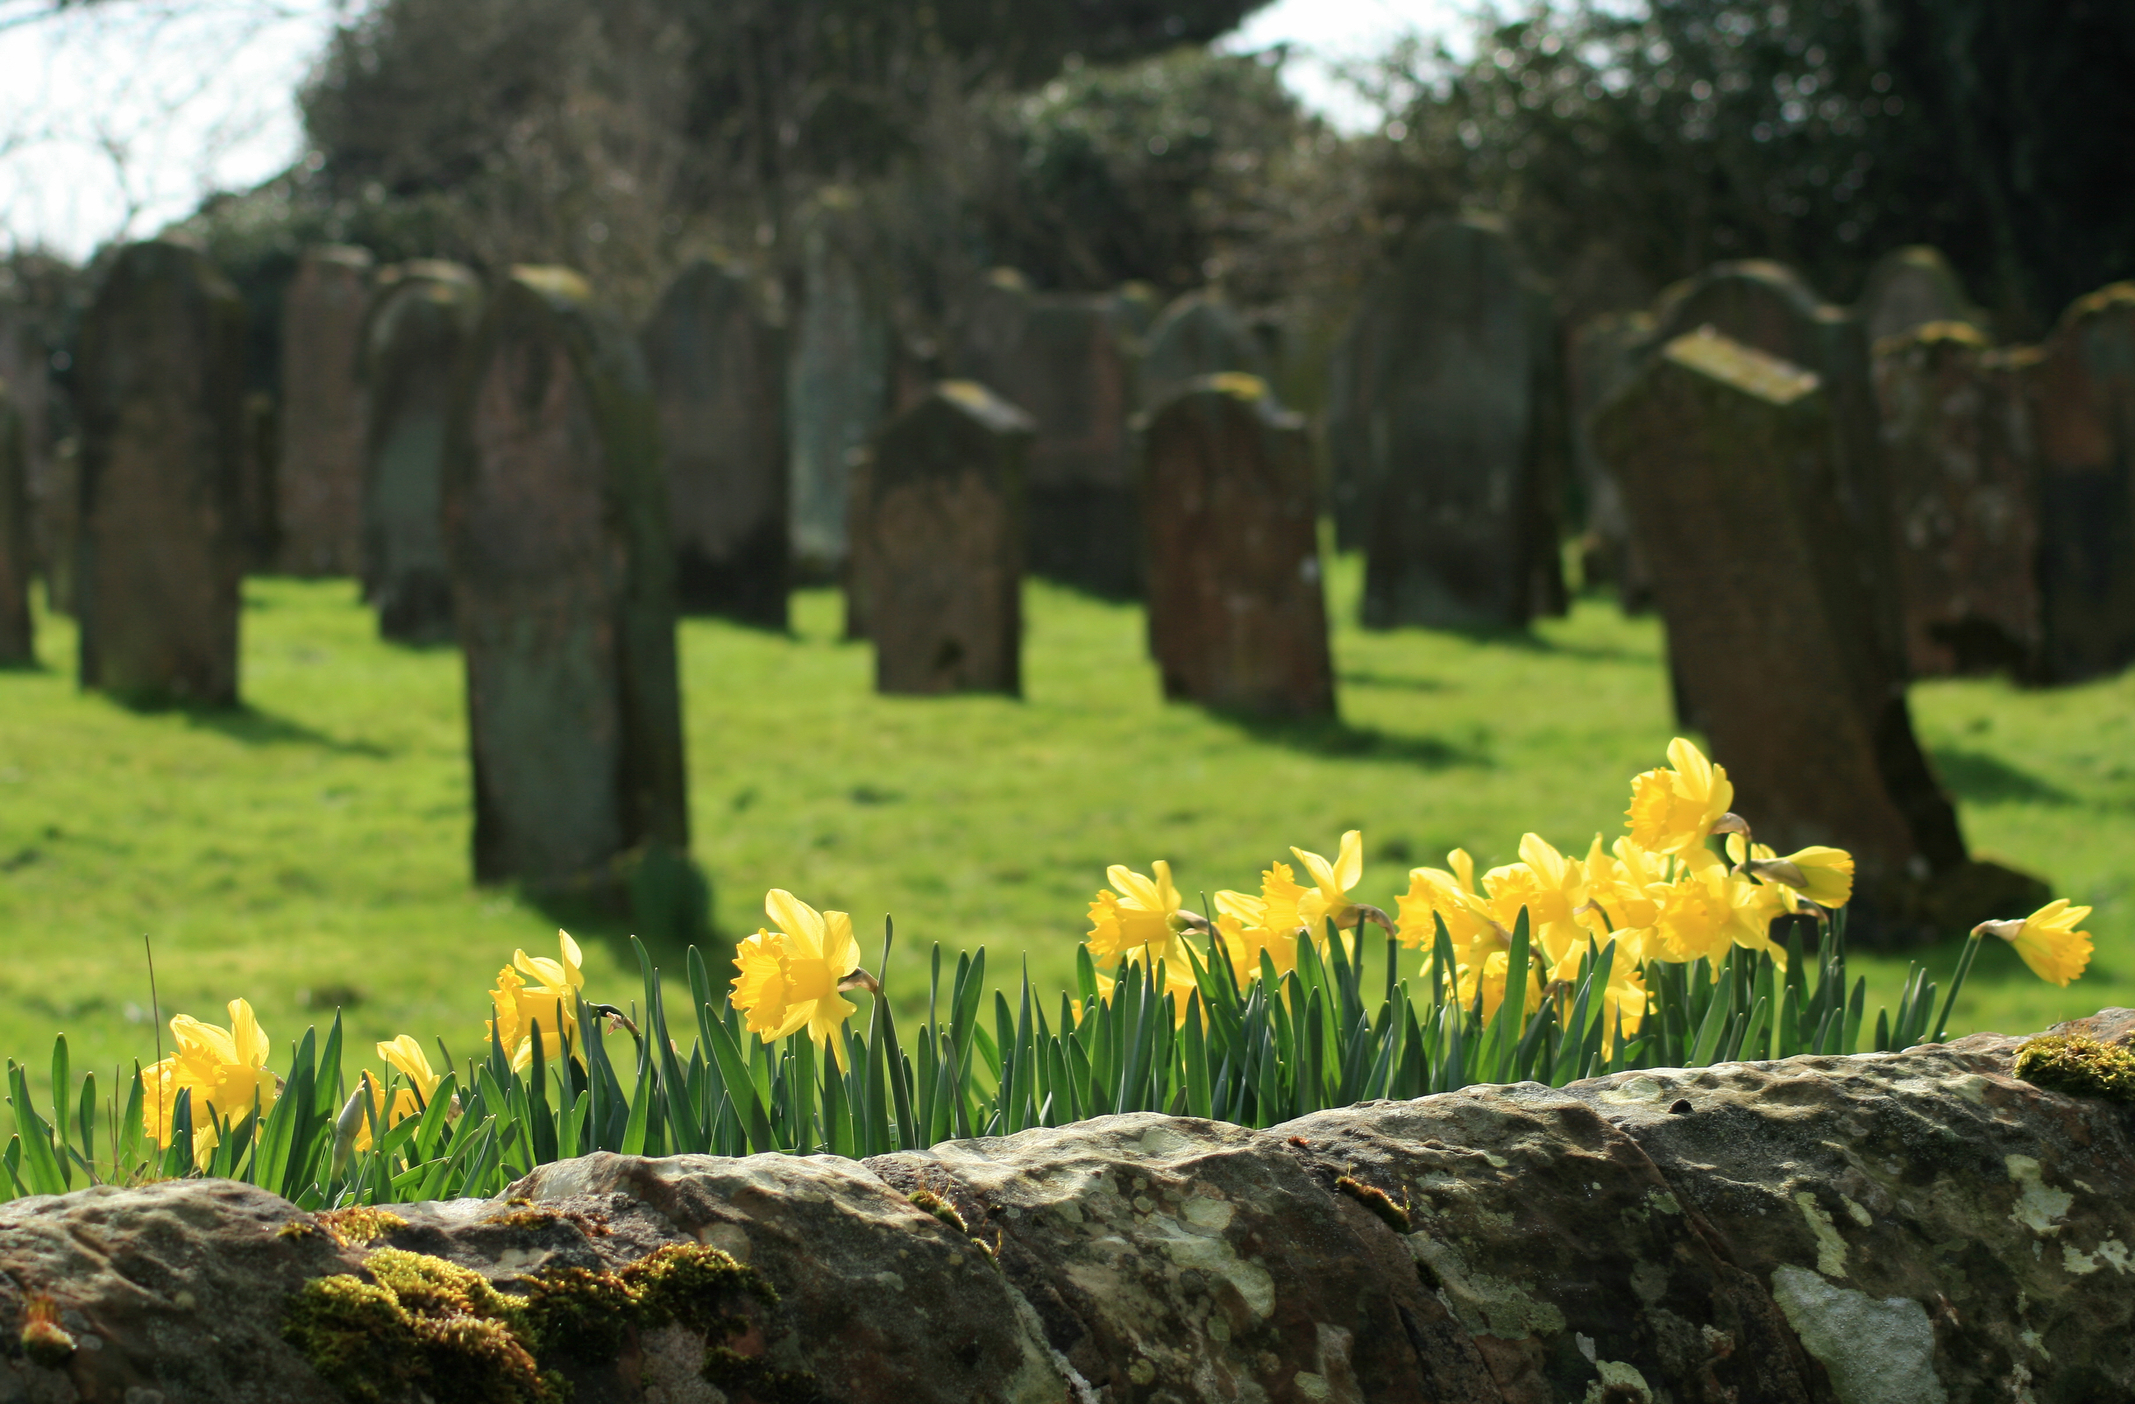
1353 367
319 491
2080 390
563 588
1912 287
262 461
1060 358
1237 618
1726 456
939 538
18 645
24 368
1462 396
159 382
1199 334
422 318
1964 489
839 379
718 372
55 523
1604 354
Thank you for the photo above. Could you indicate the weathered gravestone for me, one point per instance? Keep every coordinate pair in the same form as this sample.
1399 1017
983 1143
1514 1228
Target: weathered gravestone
1604 354
1237 619
319 491
718 372
422 318
1911 287
1199 334
1461 396
1726 456
24 367
17 642
160 389
261 463
2080 389
1964 488
1060 358
563 587
839 379
938 544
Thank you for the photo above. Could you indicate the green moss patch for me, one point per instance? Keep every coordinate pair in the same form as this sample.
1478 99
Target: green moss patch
2079 1065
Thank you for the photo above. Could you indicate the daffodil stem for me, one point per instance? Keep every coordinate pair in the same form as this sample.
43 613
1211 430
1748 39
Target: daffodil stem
1957 979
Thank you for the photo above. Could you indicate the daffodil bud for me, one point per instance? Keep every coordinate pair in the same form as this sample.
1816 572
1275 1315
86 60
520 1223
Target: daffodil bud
350 1122
2007 930
1731 823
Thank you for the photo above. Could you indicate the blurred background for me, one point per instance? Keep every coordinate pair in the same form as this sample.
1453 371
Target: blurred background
308 849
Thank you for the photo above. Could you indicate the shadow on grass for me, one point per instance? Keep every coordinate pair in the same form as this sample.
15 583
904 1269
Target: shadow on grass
1985 779
248 724
1365 677
1528 641
1344 740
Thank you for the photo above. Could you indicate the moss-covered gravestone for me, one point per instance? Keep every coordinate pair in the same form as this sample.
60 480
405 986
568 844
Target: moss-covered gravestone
718 372
1199 334
938 541
421 321
319 490
2080 388
556 528
159 383
1964 489
1726 458
17 643
1462 396
1237 618
1910 288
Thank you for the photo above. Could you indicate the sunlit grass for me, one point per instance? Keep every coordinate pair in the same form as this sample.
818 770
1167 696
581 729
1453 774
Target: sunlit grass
312 850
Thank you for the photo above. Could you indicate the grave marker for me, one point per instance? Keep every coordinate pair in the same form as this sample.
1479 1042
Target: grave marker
319 490
1199 334
1912 287
18 645
839 379
24 368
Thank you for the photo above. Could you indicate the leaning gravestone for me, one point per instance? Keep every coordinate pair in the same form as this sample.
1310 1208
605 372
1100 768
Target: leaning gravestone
718 371
1199 334
421 321
1912 287
940 540
2080 389
556 526
1237 619
1726 459
160 388
1060 358
839 380
1462 394
319 491
18 645
1964 489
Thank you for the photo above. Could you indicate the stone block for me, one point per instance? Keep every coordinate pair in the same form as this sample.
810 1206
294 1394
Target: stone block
1460 401
939 539
1963 479
2080 389
159 382
1726 456
18 645
839 379
422 319
718 372
319 491
555 516
1237 617
1911 287
1199 334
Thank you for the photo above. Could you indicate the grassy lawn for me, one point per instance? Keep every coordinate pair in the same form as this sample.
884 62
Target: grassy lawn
312 850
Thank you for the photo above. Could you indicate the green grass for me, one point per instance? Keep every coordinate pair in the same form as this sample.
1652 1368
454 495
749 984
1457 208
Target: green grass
312 850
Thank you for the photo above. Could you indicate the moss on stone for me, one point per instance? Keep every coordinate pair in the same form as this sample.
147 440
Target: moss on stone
44 1341
355 1334
753 1376
427 1286
1381 1204
690 1284
940 1208
580 1312
479 1360
2079 1065
356 1225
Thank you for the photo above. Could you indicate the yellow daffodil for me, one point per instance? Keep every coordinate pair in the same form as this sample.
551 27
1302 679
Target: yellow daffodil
226 1070
1242 935
793 977
1435 892
1328 897
517 1006
1552 889
1178 982
1820 874
1673 810
557 981
1141 916
1694 915
2047 940
405 1056
1488 975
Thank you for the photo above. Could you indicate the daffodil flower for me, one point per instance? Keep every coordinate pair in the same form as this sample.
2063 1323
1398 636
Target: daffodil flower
2047 940
1552 889
1820 874
1328 897
792 978
1140 920
1674 810
225 1069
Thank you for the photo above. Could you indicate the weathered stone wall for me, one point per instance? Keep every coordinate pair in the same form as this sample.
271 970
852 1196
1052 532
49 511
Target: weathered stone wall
1913 1228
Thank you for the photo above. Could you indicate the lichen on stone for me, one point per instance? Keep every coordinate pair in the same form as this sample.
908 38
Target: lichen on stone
356 1225
2079 1065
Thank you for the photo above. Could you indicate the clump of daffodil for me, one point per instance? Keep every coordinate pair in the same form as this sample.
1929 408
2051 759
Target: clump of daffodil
225 1070
1247 925
794 977
2047 940
537 989
1674 809
1142 924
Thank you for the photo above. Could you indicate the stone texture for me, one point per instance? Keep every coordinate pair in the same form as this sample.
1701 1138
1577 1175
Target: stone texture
718 371
1910 287
839 383
1602 358
159 379
319 491
556 526
1727 458
422 319
1237 617
2080 389
1199 334
1061 358
1910 1228
1467 437
17 642
1963 477
938 544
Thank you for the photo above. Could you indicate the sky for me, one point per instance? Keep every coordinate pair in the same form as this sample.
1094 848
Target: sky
117 119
